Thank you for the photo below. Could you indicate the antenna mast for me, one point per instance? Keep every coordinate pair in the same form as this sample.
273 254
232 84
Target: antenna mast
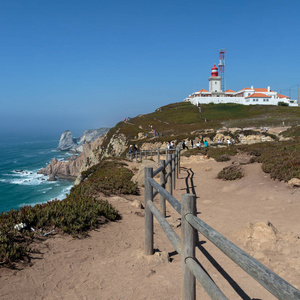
222 67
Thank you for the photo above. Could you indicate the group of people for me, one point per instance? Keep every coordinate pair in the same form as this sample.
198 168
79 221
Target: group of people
198 144
171 145
132 149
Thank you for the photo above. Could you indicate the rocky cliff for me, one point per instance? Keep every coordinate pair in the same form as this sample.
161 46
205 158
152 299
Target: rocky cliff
75 145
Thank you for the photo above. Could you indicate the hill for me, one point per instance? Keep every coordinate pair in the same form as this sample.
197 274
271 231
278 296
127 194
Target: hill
184 120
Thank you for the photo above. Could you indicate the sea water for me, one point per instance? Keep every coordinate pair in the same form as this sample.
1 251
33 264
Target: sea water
20 159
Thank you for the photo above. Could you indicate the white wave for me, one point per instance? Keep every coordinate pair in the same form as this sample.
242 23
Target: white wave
25 177
62 195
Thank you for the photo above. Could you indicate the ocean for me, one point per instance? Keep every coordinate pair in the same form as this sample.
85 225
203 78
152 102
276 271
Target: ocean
20 160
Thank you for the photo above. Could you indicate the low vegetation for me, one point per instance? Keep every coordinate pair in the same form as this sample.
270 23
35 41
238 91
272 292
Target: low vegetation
280 159
230 173
78 213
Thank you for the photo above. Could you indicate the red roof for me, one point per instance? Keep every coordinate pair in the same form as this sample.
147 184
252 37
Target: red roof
258 95
282 96
261 90
203 90
229 91
244 89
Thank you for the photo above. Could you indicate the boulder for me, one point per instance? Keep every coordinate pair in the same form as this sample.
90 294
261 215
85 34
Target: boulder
66 141
294 182
140 176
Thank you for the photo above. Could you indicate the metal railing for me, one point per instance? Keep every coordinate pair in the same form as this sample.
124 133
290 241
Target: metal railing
186 246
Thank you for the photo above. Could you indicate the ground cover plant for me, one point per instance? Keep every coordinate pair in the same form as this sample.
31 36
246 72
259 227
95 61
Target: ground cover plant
78 213
230 173
294 131
280 159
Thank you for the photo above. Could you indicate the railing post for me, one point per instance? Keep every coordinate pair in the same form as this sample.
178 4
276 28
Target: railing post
148 214
140 155
162 200
158 158
178 149
173 171
131 158
151 153
188 288
169 175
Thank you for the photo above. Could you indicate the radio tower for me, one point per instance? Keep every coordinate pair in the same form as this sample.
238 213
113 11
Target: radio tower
222 67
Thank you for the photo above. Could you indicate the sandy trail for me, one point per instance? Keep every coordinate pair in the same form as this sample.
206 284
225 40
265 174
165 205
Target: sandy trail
110 263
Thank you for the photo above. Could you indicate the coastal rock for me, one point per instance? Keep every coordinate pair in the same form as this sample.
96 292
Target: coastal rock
52 177
90 135
76 145
61 169
66 141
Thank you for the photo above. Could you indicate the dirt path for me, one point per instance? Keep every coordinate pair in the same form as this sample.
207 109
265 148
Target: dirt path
110 263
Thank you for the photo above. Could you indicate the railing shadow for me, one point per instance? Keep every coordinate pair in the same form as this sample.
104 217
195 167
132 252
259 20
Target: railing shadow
189 182
226 276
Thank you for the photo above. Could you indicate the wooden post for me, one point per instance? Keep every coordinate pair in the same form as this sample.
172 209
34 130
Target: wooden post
148 214
188 288
173 171
178 160
162 200
140 155
131 157
158 158
151 153
178 154
169 175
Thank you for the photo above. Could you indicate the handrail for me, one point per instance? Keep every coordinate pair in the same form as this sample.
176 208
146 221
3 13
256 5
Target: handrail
268 279
210 287
157 171
171 199
171 234
190 223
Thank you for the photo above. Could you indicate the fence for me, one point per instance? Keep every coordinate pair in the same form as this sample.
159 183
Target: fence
144 154
185 246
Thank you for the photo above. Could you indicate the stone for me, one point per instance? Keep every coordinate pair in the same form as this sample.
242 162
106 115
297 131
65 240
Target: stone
52 177
140 176
137 204
294 182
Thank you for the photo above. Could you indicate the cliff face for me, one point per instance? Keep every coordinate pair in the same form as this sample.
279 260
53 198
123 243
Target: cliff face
67 142
75 145
76 164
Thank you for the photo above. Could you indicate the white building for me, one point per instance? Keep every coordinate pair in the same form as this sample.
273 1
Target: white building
244 96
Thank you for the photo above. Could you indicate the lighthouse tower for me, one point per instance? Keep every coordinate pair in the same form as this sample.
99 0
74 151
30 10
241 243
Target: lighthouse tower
215 81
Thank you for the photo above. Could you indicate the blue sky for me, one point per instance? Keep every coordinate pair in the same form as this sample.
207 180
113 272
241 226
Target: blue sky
74 64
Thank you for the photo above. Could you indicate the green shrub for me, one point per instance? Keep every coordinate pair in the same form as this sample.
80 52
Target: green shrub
223 157
230 173
281 103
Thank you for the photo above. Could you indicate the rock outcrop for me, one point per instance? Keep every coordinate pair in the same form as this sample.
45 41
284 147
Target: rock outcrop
67 142
75 145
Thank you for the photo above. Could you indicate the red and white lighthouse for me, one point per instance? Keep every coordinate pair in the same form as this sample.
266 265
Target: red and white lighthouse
214 71
215 81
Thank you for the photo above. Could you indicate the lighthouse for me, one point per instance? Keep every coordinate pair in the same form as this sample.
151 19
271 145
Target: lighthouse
215 82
